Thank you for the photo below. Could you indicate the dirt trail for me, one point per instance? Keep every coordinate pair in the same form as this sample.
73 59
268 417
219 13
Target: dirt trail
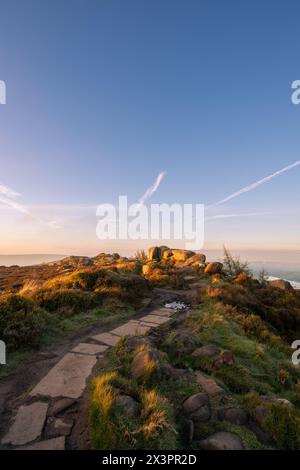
51 390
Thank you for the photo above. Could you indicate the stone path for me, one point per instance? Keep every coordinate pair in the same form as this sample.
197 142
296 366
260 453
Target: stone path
65 383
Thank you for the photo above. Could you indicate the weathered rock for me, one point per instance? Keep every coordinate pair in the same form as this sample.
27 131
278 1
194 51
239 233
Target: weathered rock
143 364
227 358
213 268
209 386
129 405
216 278
262 436
28 424
282 401
154 253
176 373
60 405
242 278
260 412
147 268
236 416
202 414
209 350
281 284
167 254
195 260
182 255
194 402
59 427
222 441
135 342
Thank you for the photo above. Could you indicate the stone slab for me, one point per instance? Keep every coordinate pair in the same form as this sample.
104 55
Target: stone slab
155 319
107 338
67 378
28 424
58 443
87 348
164 312
130 329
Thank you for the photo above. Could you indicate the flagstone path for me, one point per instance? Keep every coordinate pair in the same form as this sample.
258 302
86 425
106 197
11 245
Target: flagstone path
65 383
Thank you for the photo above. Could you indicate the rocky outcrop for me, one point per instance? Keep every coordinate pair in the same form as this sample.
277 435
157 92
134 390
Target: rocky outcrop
281 284
214 268
158 253
197 407
222 441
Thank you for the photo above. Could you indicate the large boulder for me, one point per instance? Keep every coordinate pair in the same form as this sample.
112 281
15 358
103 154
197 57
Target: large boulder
222 441
182 255
154 253
143 364
195 260
281 284
197 407
214 268
233 415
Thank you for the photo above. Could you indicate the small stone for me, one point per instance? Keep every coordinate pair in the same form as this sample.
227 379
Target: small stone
142 364
194 402
28 424
236 416
227 358
59 427
214 268
202 414
130 406
60 405
209 386
222 441
210 350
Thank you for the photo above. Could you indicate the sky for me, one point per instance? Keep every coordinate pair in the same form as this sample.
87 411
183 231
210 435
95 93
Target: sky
103 96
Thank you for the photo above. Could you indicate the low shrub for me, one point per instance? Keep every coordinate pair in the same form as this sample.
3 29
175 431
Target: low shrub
66 301
21 322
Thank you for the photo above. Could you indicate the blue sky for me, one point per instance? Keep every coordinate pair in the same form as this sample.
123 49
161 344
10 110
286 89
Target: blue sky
102 95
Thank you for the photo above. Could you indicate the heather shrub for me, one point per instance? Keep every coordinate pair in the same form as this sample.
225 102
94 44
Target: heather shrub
21 322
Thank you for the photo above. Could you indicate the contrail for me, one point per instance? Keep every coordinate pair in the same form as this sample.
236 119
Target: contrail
7 197
15 205
252 186
229 216
8 191
154 187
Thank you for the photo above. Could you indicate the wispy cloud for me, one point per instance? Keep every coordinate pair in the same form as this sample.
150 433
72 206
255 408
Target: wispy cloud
229 216
255 185
8 198
153 188
8 191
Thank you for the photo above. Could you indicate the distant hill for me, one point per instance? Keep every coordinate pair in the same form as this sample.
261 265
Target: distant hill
28 260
